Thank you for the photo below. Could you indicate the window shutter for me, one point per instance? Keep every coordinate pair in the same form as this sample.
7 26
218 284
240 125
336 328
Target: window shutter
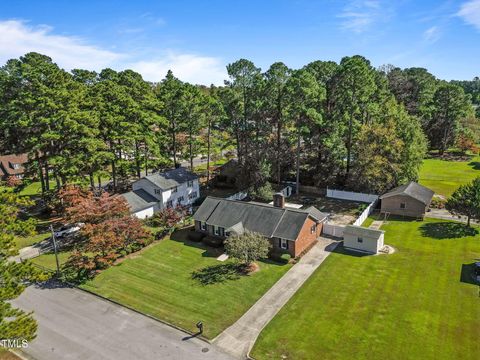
280 243
287 244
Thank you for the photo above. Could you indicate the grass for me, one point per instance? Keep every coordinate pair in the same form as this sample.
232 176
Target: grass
159 282
444 176
48 260
21 242
203 167
368 221
418 303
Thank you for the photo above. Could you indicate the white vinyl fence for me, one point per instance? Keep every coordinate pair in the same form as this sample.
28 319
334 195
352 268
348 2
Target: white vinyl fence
333 230
365 213
350 195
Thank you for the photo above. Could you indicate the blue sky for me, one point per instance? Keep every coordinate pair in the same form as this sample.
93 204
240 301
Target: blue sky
196 39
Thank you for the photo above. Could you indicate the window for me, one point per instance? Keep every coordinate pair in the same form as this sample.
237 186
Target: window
227 233
222 231
180 199
192 195
190 183
360 240
157 191
216 230
313 229
203 226
169 203
283 244
403 206
174 189
16 166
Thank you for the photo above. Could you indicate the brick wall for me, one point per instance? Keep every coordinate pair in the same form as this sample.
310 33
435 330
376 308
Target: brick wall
306 238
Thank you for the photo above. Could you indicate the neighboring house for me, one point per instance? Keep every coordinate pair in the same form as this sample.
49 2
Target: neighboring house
289 230
12 165
177 187
363 239
228 173
412 200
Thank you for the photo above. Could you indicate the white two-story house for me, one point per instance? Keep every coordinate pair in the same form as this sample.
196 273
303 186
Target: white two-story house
178 187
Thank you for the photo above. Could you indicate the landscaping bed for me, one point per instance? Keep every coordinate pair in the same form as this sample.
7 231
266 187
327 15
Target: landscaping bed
419 303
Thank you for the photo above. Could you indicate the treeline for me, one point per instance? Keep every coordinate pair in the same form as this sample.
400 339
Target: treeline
345 124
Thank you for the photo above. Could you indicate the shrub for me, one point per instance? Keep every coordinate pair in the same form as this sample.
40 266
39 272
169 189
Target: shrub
213 241
195 236
264 192
438 203
282 258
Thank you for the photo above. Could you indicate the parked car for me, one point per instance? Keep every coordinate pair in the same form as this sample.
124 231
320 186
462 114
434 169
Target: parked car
67 230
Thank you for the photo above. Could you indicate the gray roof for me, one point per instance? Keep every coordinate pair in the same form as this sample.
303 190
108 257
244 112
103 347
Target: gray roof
414 190
265 219
169 179
362 231
139 200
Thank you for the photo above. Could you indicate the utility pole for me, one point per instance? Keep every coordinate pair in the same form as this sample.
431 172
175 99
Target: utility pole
55 249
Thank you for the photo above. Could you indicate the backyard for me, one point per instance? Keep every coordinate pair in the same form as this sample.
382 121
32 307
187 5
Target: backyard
159 281
444 176
419 302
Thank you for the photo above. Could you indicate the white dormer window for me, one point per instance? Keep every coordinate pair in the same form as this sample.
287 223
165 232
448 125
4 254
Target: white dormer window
16 166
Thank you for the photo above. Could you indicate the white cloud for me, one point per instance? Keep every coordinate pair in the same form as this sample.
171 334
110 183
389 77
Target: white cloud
470 12
432 34
188 67
359 15
18 38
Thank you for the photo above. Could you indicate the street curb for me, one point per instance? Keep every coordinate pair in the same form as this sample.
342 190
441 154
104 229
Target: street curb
204 339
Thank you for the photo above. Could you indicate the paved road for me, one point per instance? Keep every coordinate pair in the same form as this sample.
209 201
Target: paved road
239 338
77 325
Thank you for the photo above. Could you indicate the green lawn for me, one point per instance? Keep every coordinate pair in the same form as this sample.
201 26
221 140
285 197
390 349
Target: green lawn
159 282
408 305
21 242
48 260
443 176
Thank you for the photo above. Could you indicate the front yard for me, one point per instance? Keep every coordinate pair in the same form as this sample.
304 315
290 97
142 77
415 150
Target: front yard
158 281
418 303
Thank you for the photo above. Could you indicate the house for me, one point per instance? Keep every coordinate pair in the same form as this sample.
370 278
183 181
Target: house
362 239
412 200
177 187
228 174
289 230
12 165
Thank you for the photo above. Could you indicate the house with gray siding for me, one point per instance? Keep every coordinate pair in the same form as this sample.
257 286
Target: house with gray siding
411 200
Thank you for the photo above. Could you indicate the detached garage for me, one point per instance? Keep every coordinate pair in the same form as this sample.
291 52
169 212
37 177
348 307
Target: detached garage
363 239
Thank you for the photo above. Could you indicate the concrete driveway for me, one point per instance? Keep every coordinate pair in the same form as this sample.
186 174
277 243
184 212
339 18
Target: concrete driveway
239 338
77 325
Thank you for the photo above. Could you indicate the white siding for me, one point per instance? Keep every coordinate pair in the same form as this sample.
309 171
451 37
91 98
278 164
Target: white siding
145 213
182 190
368 245
148 186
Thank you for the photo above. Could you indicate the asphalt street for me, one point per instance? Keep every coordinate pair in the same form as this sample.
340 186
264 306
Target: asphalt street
76 325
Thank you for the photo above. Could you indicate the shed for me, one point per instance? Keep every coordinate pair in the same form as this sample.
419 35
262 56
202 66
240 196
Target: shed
412 200
363 239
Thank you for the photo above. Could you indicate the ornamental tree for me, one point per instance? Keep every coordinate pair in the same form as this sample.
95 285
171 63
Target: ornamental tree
248 247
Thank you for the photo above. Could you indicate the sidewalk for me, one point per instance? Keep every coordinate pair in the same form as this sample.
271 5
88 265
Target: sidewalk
239 338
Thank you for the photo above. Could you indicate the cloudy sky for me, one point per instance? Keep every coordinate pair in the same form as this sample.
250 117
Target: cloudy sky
196 39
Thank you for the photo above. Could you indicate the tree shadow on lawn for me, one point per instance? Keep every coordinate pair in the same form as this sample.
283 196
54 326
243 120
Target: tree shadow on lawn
475 165
447 230
468 274
220 273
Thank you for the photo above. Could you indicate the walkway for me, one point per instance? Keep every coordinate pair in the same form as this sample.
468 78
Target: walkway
376 225
239 338
73 324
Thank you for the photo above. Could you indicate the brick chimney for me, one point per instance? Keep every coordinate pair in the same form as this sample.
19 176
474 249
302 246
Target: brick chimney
279 200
